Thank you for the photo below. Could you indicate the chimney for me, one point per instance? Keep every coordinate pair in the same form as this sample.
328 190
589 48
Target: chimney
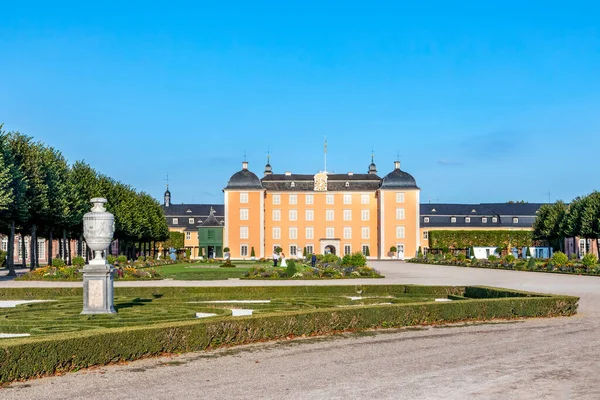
288 173
245 165
350 173
397 164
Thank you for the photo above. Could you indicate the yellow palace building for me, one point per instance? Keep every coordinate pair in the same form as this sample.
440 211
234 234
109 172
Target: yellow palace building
321 213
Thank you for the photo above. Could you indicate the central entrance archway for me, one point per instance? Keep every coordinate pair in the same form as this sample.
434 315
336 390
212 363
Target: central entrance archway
330 249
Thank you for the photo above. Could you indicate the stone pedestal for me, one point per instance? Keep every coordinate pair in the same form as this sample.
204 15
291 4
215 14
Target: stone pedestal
98 290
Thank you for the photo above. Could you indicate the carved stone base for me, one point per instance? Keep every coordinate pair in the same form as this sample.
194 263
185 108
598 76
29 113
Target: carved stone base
98 290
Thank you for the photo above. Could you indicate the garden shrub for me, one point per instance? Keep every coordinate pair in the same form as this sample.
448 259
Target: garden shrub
3 255
492 257
420 252
393 249
589 260
328 258
111 259
26 358
531 265
58 262
78 261
227 264
461 257
573 256
559 259
291 269
528 253
278 249
188 253
509 258
252 252
356 259
122 259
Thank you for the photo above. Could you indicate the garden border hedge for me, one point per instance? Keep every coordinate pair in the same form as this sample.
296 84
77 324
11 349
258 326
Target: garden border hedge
26 358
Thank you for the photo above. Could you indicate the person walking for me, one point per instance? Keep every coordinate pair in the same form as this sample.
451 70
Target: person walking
313 260
283 262
275 257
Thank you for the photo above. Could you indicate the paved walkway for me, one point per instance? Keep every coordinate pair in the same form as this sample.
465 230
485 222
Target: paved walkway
557 358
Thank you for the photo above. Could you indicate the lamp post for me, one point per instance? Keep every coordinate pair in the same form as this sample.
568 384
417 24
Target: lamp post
98 230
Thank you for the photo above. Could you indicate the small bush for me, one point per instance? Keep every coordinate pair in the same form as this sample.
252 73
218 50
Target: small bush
559 259
252 252
573 256
111 259
589 260
58 262
393 249
461 257
328 258
227 264
78 261
531 265
492 257
3 255
278 250
226 250
356 259
291 269
509 258
122 259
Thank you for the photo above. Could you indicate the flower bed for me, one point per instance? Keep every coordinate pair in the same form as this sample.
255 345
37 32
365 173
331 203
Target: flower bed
559 263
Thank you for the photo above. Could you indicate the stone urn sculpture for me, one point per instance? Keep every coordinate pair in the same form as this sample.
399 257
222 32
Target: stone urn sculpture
98 230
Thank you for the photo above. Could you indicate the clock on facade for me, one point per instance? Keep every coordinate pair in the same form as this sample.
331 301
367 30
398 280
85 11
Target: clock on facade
321 182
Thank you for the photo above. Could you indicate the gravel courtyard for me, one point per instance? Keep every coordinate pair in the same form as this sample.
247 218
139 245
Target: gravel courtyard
555 358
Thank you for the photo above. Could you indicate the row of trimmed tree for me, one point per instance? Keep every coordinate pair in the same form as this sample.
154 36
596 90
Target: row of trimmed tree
41 195
580 218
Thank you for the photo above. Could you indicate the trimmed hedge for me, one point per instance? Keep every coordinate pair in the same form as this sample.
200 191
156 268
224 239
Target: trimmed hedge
462 239
32 357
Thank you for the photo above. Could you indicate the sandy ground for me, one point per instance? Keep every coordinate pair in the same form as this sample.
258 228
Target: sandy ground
557 358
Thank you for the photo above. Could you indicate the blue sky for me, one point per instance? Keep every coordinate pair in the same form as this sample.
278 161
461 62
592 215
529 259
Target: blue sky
484 101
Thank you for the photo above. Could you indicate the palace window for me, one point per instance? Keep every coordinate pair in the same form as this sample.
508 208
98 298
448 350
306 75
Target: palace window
210 234
276 199
364 215
329 215
5 244
399 232
293 199
309 199
41 249
426 220
309 249
329 199
365 233
467 220
494 219
347 232
243 214
276 215
329 233
293 233
515 220
244 250
310 215
425 235
175 221
347 215
365 248
191 221
364 199
21 248
243 232
188 235
276 233
484 220
399 213
347 199
453 220
243 197
347 250
293 214
293 250
309 233
400 197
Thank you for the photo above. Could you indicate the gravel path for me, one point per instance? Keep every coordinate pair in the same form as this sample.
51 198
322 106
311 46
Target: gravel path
556 358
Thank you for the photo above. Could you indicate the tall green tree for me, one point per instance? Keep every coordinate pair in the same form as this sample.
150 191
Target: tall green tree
550 223
6 191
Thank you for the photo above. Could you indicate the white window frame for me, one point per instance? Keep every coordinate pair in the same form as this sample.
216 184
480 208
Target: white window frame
244 234
293 199
347 249
293 215
329 199
329 215
310 249
467 220
309 199
453 220
426 220
347 199
276 233
244 214
293 250
494 220
515 220
188 235
364 199
365 215
425 235
276 215
347 232
4 244
365 232
244 250
330 232
484 220
400 232
293 233
309 232
175 221
191 221
41 249
399 197
400 213
364 249
244 197
276 199
309 215
347 215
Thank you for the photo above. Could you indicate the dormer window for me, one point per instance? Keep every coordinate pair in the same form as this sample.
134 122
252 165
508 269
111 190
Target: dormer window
515 220
188 211
453 220
473 211
347 184
175 221
484 220
494 219
426 220
293 184
467 220
433 210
